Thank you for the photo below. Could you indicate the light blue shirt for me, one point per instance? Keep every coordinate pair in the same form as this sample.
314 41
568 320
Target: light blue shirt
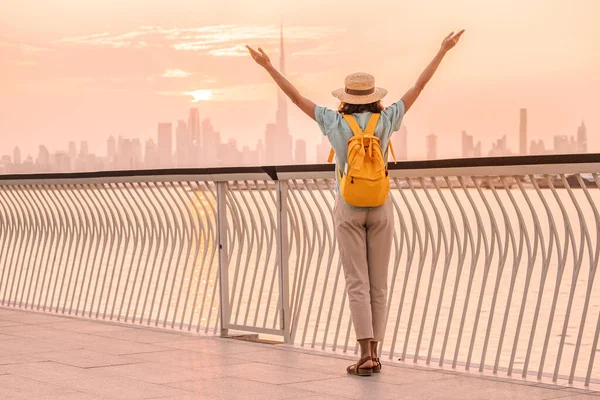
338 131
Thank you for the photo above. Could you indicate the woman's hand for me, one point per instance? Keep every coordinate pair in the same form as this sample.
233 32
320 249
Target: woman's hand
260 57
451 40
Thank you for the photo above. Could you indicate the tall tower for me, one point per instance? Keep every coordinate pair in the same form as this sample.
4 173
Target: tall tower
523 132
278 141
193 130
281 117
582 138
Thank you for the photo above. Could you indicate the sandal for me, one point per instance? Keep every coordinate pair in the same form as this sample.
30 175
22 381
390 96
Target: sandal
377 365
355 369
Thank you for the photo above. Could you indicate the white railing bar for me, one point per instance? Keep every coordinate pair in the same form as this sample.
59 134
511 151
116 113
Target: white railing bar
561 267
145 231
516 263
183 233
531 258
206 237
448 252
509 238
319 258
23 242
329 240
436 249
272 235
213 190
545 267
125 230
192 239
50 225
83 233
222 243
398 245
475 252
460 264
489 253
422 257
584 238
155 234
408 267
34 225
259 245
593 269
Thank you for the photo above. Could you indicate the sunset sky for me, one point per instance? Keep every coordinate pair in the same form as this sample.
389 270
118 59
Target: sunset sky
88 69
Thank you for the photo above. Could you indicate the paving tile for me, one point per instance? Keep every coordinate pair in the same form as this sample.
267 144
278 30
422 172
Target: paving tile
14 386
52 372
222 346
232 388
86 326
142 335
8 358
282 357
121 387
4 323
29 346
152 372
72 395
119 347
85 358
31 317
7 337
186 359
274 374
353 388
462 387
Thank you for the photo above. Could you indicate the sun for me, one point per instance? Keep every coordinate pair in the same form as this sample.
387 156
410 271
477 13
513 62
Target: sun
201 95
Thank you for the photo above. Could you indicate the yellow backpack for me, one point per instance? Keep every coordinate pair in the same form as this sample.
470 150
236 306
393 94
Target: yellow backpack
364 181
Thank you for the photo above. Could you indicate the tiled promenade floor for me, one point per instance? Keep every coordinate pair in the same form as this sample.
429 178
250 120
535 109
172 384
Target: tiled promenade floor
45 356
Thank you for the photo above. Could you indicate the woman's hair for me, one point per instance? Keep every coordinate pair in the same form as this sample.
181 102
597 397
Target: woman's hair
347 108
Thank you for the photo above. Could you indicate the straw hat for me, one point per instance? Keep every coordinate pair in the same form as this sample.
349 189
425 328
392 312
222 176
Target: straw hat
359 89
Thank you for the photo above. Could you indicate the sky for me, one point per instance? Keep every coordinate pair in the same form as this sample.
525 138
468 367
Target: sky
73 70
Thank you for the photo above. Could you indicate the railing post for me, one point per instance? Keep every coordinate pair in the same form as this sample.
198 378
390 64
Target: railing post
282 260
223 257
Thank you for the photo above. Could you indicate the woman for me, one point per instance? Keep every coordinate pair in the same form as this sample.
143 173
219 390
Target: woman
364 235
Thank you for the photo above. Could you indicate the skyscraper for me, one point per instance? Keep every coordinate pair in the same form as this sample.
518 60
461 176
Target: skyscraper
582 138
151 155
400 143
278 141
523 132
16 156
84 149
300 153
469 148
210 144
196 152
165 144
111 149
431 150
183 145
324 148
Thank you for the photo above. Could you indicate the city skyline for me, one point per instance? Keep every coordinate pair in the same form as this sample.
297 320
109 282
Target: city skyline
178 147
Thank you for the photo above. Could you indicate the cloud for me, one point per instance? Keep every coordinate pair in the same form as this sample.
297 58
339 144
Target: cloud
175 73
216 40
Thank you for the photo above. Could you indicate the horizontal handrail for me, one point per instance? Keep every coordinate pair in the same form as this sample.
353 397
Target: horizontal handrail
478 166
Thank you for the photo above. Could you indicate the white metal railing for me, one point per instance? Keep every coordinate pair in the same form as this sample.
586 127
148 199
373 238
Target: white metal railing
493 266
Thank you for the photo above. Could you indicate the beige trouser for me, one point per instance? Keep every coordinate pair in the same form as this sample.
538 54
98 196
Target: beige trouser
365 241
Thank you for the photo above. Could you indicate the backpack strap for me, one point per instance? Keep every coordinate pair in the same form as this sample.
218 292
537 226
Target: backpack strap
331 154
353 124
391 150
372 124
370 128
